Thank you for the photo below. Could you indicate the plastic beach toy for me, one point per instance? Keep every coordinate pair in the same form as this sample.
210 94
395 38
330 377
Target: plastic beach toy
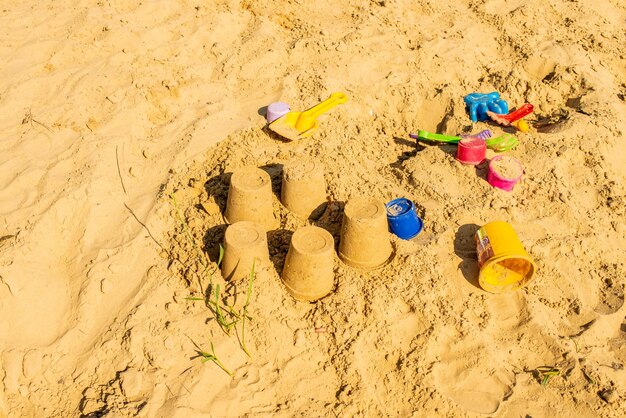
403 219
429 136
507 120
505 265
502 143
478 104
504 172
484 135
298 125
471 151
521 125
276 110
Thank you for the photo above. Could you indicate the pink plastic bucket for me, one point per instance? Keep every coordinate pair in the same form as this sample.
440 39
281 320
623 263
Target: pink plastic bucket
504 172
471 151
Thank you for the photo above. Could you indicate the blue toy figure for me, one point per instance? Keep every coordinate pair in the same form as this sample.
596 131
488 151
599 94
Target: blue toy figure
478 104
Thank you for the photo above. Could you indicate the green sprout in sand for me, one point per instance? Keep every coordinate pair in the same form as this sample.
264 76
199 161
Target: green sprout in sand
546 373
212 357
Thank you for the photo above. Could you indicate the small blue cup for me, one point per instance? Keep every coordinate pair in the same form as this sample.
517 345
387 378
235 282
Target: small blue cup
403 219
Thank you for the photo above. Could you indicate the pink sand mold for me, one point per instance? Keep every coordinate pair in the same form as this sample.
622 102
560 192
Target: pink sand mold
471 151
499 181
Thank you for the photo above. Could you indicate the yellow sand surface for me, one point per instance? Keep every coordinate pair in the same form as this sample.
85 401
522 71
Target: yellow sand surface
122 121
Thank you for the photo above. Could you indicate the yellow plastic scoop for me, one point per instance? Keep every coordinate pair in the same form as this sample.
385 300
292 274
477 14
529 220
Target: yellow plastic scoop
298 125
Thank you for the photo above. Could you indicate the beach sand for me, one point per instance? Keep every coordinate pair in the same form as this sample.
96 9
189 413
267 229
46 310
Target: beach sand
122 122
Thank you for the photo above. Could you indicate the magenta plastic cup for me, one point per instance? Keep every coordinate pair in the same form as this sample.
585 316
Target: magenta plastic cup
504 172
471 151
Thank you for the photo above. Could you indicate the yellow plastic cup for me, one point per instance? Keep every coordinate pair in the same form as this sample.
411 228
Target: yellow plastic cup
505 265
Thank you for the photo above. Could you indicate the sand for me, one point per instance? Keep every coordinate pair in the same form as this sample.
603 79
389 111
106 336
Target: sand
507 168
122 123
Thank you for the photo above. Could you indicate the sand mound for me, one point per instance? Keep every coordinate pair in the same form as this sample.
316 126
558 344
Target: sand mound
122 124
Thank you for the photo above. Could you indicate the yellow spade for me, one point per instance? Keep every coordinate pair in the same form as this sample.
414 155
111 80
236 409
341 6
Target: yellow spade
298 125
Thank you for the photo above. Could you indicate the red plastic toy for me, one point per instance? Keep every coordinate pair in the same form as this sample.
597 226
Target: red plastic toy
506 120
471 151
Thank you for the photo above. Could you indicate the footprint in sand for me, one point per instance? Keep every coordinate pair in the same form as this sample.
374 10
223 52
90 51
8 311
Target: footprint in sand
376 354
246 376
611 290
471 373
508 311
473 386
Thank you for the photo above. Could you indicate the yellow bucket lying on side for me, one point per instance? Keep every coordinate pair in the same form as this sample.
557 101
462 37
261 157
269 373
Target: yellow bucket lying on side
505 265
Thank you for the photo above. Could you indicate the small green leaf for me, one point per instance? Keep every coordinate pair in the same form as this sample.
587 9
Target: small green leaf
221 257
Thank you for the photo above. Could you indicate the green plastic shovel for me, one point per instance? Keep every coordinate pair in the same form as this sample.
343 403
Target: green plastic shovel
429 136
500 143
